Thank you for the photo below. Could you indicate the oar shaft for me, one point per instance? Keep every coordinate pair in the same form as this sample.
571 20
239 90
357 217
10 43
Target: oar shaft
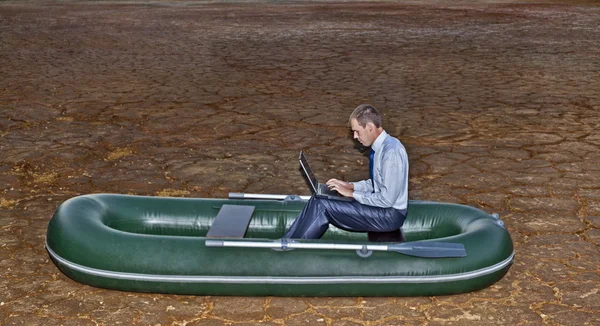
336 246
240 195
418 249
242 244
292 245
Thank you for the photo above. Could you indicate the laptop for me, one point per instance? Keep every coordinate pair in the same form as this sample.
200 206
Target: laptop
319 189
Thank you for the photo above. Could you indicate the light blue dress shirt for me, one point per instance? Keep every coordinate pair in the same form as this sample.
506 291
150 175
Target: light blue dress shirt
390 174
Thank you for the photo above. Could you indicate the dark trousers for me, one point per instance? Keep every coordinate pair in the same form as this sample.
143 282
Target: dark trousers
314 220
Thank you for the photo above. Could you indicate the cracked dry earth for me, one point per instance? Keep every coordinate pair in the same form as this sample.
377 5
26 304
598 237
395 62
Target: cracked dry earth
496 102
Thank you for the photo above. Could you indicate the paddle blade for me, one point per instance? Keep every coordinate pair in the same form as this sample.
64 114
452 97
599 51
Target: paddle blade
430 249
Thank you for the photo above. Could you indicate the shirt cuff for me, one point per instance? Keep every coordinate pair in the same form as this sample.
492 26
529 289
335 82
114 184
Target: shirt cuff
358 195
359 186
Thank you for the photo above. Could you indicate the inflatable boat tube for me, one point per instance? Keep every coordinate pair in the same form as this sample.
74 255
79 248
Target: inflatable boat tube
160 245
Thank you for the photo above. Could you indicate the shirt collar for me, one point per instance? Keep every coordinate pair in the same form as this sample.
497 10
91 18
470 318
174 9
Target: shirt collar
379 141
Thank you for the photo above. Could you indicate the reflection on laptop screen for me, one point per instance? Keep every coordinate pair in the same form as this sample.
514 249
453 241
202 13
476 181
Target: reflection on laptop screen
309 172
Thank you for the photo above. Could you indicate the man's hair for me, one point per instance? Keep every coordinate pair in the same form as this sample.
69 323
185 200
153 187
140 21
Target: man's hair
364 114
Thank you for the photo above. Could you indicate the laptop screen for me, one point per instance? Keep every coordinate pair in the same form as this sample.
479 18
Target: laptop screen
308 171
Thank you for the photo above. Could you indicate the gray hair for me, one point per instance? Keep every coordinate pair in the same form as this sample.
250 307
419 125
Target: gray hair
364 114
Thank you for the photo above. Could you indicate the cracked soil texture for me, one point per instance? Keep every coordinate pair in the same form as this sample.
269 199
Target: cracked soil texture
497 103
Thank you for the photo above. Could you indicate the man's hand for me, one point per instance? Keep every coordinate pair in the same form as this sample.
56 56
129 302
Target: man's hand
344 188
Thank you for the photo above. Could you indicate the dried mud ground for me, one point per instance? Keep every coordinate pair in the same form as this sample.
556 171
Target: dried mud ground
497 103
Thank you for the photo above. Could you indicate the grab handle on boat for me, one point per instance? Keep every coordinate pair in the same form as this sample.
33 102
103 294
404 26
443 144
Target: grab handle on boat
240 195
423 249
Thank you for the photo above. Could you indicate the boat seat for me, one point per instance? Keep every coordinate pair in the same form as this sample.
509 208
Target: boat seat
231 222
392 236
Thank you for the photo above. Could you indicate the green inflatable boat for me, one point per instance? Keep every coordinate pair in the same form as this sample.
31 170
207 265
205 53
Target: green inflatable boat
234 247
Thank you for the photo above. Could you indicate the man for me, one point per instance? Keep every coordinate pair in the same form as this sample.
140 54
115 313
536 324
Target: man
380 202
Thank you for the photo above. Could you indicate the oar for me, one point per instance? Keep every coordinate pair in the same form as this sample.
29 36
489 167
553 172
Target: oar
423 249
430 249
240 195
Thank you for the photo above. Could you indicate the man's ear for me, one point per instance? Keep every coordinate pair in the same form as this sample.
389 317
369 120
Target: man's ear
370 126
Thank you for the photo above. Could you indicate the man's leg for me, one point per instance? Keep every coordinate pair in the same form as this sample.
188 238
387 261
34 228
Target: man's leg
353 216
311 223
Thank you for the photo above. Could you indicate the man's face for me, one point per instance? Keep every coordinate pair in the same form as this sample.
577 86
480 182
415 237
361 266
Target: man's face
363 134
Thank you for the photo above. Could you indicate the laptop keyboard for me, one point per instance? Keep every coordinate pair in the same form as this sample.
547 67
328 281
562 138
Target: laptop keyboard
324 190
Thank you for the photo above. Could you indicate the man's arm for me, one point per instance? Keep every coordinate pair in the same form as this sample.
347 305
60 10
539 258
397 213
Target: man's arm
392 170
